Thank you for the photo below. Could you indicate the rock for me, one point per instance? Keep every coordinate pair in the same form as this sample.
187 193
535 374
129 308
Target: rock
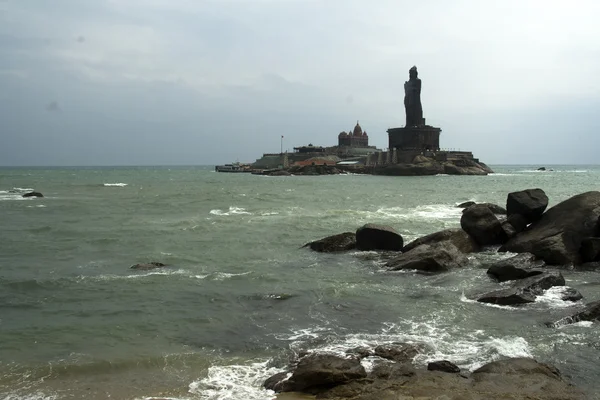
513 268
541 169
496 209
444 366
360 352
518 222
519 366
280 172
319 370
431 168
378 237
147 266
275 382
558 236
466 204
463 167
523 291
458 237
33 194
391 370
438 257
508 229
341 242
529 203
399 352
570 294
590 249
591 312
482 225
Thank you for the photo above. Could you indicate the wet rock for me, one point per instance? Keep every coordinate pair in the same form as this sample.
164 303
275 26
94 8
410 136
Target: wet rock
590 249
482 225
336 243
399 352
458 237
541 169
558 236
523 291
518 222
529 203
444 366
318 372
517 267
33 194
360 352
466 204
378 237
147 266
392 370
571 294
496 209
434 258
519 366
275 382
591 312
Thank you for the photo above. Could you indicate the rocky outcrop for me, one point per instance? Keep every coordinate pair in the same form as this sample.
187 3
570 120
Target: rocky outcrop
466 204
148 266
33 194
558 236
443 366
517 267
378 237
458 237
428 166
523 291
399 352
482 225
529 203
590 249
429 258
591 312
341 242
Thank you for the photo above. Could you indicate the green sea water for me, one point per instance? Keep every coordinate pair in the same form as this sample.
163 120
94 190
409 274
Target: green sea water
240 295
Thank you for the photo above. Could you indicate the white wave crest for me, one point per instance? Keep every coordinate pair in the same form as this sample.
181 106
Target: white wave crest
232 211
553 298
119 184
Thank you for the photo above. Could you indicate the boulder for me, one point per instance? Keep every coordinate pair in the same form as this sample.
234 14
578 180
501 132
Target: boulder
513 268
590 249
530 203
438 257
318 370
482 225
591 312
458 237
399 352
444 366
541 169
570 294
391 370
557 237
523 291
518 366
341 242
496 209
147 266
466 204
33 194
378 237
518 222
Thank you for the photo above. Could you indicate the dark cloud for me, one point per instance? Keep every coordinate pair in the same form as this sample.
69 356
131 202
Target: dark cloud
53 106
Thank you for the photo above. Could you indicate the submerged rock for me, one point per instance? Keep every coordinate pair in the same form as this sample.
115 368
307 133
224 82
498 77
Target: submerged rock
591 312
147 266
444 366
523 291
458 237
399 352
558 236
434 258
33 194
517 267
378 237
341 242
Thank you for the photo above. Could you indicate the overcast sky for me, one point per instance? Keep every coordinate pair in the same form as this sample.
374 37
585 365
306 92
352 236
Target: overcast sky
157 82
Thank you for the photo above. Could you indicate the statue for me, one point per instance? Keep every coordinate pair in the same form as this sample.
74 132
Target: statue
412 99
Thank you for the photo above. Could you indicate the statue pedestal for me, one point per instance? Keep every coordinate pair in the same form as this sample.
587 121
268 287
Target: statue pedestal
421 138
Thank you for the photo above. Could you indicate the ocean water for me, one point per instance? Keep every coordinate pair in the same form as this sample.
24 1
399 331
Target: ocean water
240 295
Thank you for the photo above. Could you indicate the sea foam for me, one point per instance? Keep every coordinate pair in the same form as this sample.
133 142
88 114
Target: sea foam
119 184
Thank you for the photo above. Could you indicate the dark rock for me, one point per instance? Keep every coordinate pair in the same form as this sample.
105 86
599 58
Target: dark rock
557 237
421 169
589 266
530 203
458 237
466 204
444 366
571 294
280 172
519 366
147 266
438 257
392 370
463 167
524 291
591 312
360 352
590 249
275 382
508 229
496 209
481 224
33 194
517 267
324 371
399 352
378 237
541 169
518 222
342 242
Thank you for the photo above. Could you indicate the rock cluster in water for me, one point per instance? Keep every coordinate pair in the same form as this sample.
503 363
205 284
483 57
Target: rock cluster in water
567 234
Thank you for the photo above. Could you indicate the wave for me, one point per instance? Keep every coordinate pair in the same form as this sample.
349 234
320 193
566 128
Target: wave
232 211
115 184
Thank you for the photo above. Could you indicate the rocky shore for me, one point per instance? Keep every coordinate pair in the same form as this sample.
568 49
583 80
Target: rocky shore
547 241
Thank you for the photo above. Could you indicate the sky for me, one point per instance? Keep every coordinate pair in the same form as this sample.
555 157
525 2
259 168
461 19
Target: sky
203 82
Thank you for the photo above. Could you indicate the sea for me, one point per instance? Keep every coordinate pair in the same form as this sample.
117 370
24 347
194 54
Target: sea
240 296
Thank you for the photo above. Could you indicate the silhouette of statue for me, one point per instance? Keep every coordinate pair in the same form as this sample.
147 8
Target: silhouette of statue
412 99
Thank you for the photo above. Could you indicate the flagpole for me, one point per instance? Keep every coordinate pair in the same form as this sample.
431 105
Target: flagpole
281 145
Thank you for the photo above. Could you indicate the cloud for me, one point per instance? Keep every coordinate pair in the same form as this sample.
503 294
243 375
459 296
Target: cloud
53 106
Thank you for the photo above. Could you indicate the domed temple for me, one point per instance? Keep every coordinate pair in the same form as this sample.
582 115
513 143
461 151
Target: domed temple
354 138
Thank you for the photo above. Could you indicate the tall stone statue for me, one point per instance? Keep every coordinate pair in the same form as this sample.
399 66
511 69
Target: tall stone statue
412 99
